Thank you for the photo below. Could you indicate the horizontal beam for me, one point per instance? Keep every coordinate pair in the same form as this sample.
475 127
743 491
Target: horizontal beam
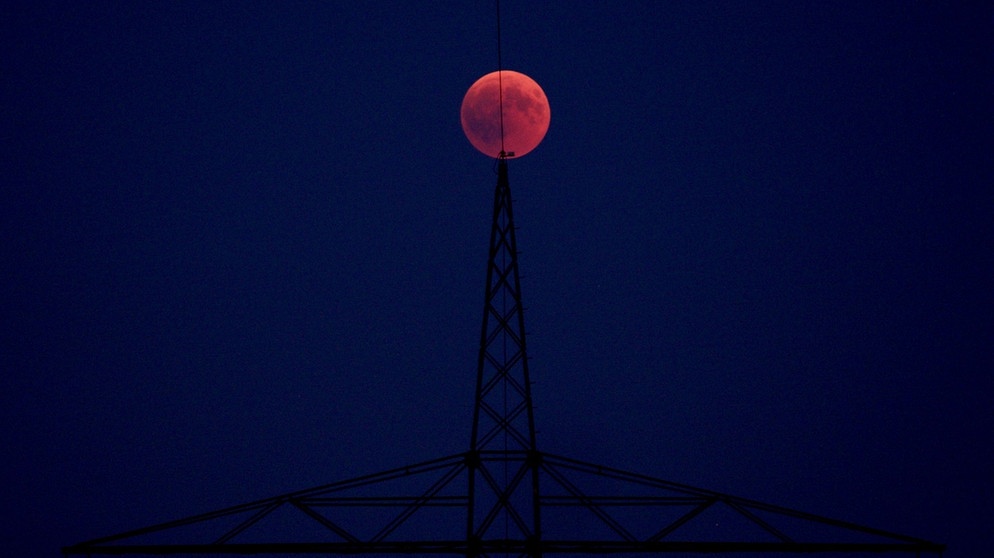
498 546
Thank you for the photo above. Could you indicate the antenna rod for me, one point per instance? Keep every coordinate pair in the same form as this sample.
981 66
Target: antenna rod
500 85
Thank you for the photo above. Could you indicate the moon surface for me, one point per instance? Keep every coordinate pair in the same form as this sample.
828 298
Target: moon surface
526 114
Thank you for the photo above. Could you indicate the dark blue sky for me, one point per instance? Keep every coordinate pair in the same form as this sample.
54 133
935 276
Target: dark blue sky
244 244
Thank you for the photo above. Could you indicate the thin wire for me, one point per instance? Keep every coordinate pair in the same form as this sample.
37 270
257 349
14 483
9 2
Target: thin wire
500 84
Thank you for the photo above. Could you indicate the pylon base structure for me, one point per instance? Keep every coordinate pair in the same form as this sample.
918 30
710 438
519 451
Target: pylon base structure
503 496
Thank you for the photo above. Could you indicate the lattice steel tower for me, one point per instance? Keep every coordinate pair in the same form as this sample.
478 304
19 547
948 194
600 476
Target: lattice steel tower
502 496
503 418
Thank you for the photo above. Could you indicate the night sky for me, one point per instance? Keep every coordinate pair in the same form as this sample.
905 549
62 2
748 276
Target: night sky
244 244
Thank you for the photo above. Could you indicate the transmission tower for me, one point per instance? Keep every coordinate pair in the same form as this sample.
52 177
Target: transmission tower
502 496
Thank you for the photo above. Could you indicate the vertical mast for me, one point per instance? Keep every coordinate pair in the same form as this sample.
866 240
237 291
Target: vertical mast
503 418
503 480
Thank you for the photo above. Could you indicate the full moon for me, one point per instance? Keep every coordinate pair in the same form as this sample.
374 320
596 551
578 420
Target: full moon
526 114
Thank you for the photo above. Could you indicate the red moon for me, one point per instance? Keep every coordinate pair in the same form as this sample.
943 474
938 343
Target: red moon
526 114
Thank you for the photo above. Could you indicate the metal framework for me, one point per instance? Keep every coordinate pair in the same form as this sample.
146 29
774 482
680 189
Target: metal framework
503 496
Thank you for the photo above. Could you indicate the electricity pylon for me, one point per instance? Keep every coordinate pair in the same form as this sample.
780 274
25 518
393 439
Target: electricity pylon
503 495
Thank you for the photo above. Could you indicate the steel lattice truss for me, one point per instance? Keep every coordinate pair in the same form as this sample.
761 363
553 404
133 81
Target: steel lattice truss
503 496
587 508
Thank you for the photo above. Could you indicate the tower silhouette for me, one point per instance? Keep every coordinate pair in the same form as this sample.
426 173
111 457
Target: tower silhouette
503 495
503 418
